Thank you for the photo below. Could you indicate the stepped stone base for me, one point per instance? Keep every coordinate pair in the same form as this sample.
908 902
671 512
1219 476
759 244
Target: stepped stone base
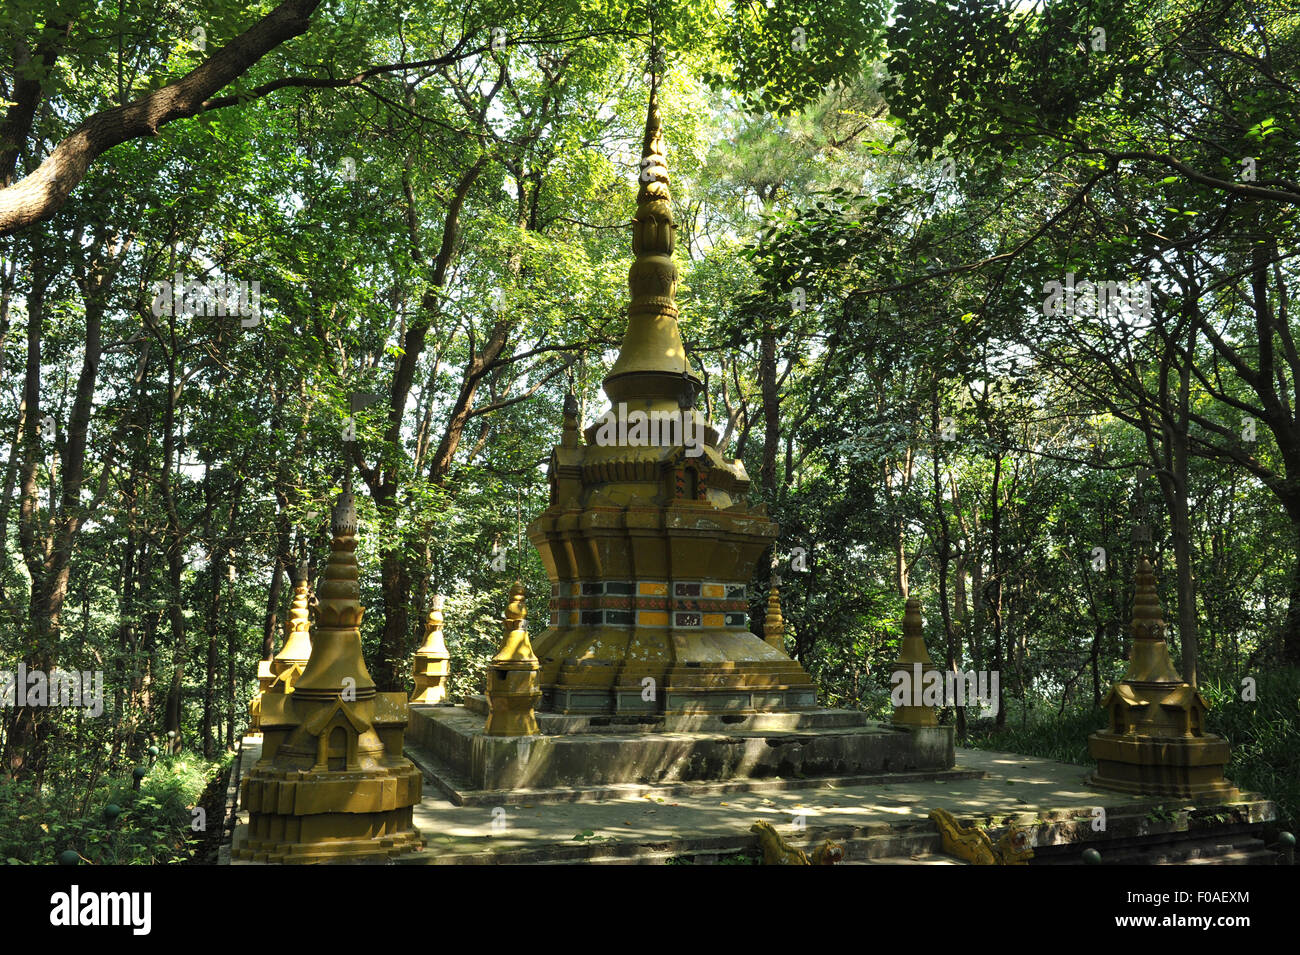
1174 766
592 751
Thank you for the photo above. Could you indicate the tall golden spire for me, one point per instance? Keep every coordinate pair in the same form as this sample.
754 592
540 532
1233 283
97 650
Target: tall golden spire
652 363
336 664
297 629
1149 661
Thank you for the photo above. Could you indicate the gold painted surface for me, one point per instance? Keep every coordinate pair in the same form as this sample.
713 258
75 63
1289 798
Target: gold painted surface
774 623
974 845
912 652
512 689
332 783
655 513
278 674
1156 743
431 667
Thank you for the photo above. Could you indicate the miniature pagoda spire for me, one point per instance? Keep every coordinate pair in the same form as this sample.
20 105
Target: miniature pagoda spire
774 623
512 688
431 665
289 662
652 362
336 663
571 434
278 674
1150 661
1156 743
332 783
913 661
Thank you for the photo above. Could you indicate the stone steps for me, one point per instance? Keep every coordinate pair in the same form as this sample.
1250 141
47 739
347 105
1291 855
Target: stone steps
868 844
901 843
1224 849
558 724
456 789
606 753
1227 834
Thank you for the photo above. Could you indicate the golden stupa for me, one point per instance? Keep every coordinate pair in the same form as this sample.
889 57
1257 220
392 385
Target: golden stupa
432 665
1156 743
332 783
511 690
648 540
278 674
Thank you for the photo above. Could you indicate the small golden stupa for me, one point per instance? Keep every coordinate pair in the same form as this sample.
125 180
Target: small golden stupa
648 540
332 783
288 664
278 674
432 661
914 662
774 623
1156 744
512 690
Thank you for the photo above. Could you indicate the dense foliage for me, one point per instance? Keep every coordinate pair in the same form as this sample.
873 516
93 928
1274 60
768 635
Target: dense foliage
875 202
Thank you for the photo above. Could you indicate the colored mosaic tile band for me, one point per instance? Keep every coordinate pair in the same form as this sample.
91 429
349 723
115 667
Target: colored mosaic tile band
679 604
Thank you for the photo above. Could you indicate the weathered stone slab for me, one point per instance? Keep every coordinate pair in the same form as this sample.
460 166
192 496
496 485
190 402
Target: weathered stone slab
590 754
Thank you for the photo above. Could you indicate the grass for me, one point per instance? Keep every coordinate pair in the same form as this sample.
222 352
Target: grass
1040 732
1265 737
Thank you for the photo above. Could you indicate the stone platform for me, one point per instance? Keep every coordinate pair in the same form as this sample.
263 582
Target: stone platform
580 757
882 823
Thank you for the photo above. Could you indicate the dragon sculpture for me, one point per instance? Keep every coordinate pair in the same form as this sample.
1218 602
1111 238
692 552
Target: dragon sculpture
776 851
975 846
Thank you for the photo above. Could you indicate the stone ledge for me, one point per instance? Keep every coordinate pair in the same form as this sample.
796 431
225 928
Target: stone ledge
456 789
602 759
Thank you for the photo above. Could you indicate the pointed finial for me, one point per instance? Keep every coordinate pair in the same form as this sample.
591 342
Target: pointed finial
515 610
433 621
570 435
912 621
1149 660
336 661
343 518
654 159
774 623
1148 616
288 663
516 646
431 666
652 361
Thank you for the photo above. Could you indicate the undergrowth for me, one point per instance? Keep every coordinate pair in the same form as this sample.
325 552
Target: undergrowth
153 825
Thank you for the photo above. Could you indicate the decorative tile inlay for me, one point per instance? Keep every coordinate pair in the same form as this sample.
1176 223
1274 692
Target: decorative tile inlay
646 603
